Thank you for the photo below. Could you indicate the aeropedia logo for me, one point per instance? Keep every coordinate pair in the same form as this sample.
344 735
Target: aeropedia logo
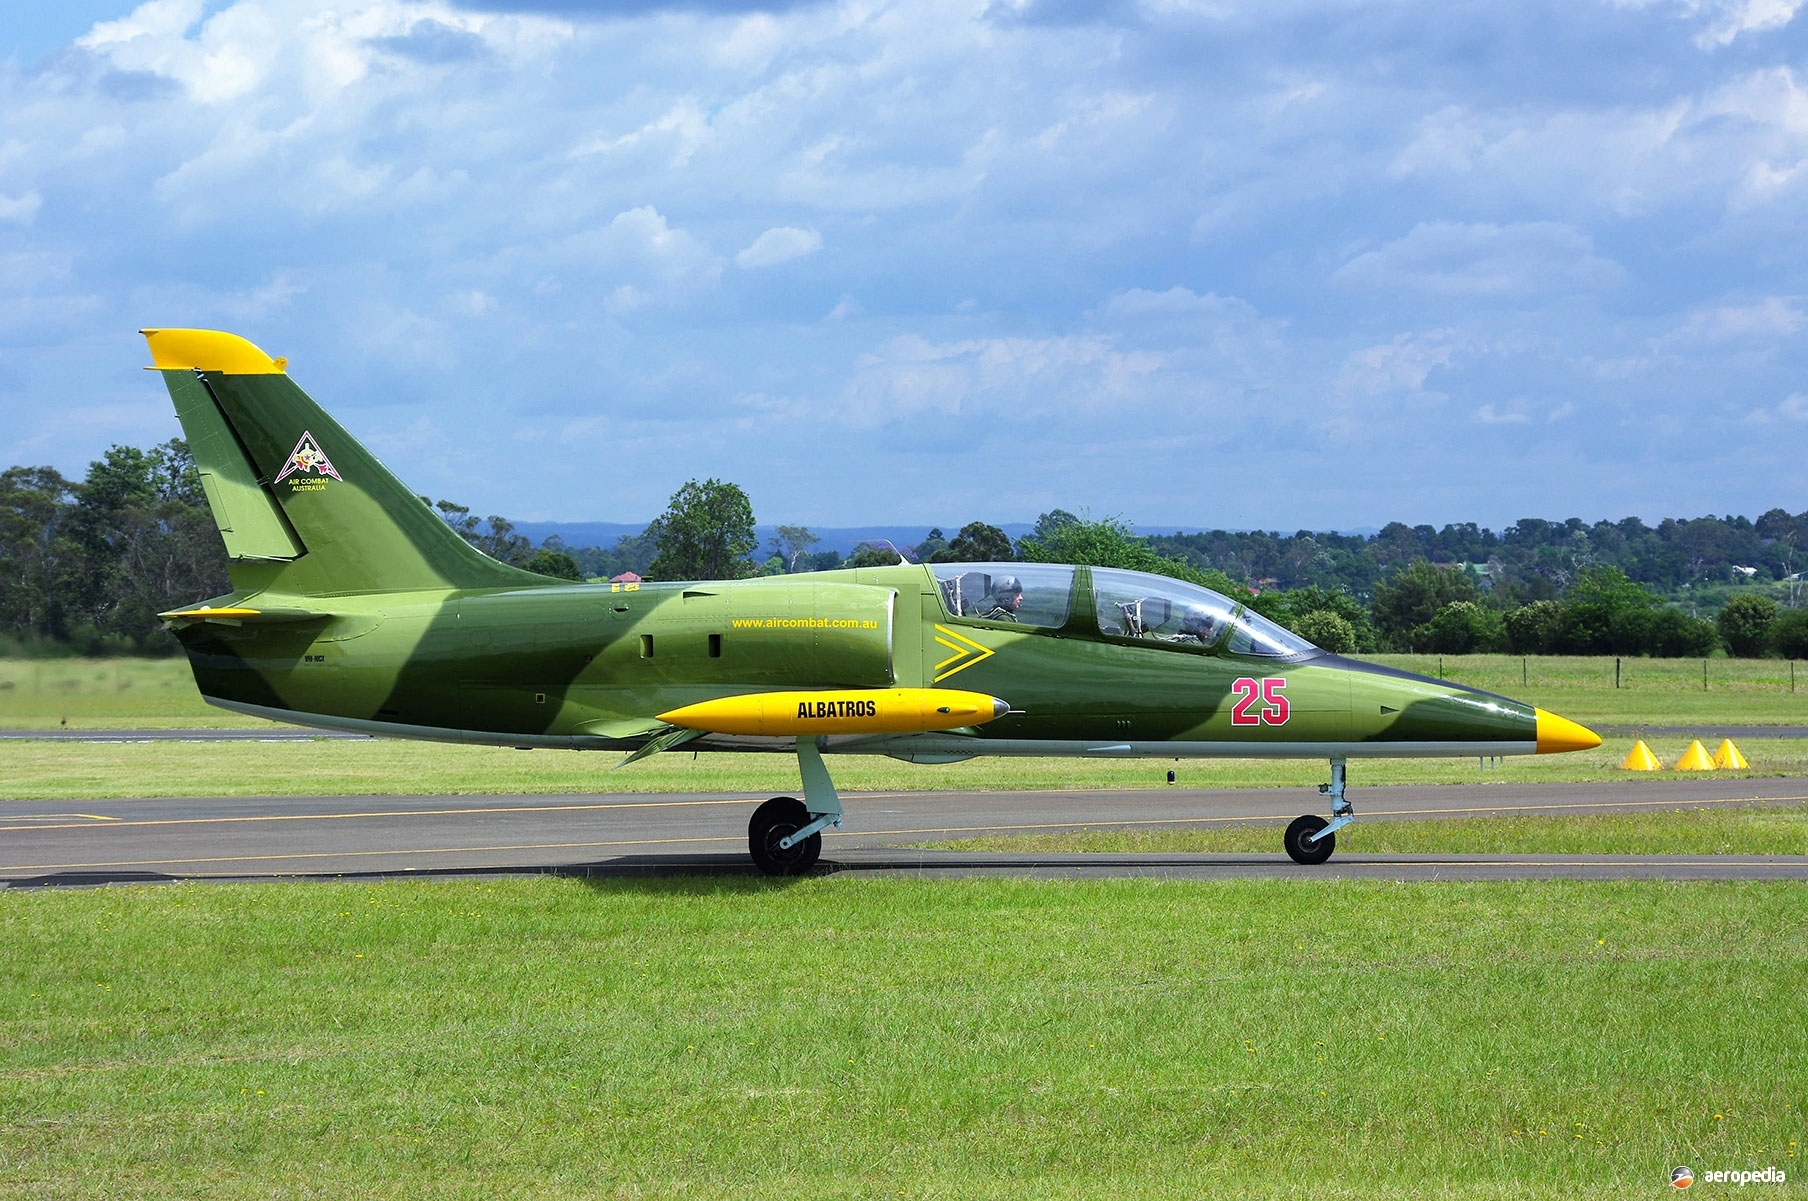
1684 1177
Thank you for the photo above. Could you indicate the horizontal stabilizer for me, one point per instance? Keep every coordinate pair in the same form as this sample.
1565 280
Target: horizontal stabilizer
236 613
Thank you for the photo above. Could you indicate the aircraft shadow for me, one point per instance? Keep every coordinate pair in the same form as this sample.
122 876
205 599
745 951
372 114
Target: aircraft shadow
714 869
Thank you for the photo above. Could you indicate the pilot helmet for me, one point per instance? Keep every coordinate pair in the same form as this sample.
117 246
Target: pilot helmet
1197 620
1006 585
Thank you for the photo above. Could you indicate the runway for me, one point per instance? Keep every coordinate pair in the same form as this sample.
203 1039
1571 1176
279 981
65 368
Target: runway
258 838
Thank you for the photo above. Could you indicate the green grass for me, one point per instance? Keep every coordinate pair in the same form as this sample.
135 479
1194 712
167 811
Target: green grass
48 770
106 694
1660 692
152 693
1762 830
847 1037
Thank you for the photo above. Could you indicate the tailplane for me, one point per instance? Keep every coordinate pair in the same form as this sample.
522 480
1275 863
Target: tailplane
302 506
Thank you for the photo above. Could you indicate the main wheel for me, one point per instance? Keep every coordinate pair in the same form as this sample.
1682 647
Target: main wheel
779 818
1297 840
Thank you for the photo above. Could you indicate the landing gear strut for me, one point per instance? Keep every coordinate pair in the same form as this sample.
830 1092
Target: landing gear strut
785 835
1310 839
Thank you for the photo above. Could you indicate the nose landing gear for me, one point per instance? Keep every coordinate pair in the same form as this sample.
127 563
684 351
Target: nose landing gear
1310 839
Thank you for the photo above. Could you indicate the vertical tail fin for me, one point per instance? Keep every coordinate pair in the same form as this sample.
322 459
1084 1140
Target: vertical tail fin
302 506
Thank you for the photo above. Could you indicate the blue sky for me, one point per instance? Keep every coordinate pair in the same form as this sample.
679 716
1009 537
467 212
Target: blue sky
1282 264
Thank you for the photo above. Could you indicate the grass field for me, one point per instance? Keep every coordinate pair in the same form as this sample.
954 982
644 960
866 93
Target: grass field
142 694
842 1037
159 693
1660 692
1756 830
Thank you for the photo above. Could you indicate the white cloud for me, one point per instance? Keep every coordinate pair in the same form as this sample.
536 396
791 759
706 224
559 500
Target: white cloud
1734 17
21 209
682 130
1491 414
1791 410
1451 259
1399 365
1725 20
256 304
156 19
1769 319
1009 379
778 245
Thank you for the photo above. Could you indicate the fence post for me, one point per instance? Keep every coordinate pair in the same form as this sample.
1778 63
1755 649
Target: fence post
1704 675
1616 671
1522 671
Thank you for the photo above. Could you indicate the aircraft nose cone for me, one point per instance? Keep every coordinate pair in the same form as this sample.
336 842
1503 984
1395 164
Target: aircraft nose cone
1000 708
1561 734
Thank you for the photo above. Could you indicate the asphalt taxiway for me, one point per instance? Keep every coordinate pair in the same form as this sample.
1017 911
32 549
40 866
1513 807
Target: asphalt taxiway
90 842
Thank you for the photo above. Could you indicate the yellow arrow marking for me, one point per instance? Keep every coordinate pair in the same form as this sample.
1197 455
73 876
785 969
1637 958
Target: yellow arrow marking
963 648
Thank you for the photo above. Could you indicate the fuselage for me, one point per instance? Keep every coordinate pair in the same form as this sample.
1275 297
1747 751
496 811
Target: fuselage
1094 662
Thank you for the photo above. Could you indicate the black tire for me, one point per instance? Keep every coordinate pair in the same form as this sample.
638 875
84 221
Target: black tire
1305 852
776 819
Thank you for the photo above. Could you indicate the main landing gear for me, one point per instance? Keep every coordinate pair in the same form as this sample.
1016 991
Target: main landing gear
785 835
1310 839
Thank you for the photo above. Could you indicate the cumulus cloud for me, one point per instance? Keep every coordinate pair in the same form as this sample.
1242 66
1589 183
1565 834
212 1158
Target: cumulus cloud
778 245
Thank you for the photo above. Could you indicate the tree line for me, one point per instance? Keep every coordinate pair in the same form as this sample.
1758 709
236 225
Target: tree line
86 565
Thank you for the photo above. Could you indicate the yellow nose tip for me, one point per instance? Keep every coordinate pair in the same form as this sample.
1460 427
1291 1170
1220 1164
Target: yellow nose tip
1561 734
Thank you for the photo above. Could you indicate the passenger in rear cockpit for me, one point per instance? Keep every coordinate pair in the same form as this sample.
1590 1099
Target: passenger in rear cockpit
1197 625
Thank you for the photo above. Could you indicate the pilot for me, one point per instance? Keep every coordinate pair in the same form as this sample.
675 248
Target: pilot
1196 625
1003 602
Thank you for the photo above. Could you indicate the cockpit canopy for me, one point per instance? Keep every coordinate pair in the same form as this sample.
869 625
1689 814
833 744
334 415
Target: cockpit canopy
1130 604
1031 594
1133 604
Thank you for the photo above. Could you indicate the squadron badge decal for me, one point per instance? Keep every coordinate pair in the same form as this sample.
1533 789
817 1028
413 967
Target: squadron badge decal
307 456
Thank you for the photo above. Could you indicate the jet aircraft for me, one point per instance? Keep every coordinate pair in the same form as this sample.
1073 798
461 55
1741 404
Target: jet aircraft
354 606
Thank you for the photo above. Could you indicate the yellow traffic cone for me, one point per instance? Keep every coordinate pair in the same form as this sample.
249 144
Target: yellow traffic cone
1695 758
1641 759
1728 756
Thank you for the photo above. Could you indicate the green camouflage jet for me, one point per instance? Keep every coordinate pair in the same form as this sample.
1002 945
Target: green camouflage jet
356 607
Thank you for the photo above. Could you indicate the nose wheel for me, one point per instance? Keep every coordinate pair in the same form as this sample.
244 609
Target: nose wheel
1310 839
1307 841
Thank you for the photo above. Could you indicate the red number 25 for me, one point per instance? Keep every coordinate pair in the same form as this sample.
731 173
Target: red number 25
1248 691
